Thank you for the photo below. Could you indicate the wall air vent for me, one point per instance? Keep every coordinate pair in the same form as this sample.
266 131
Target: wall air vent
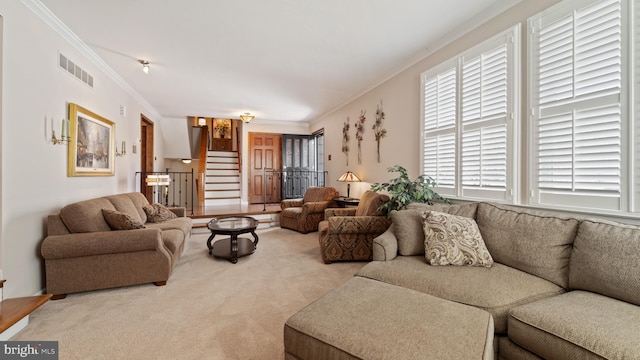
73 69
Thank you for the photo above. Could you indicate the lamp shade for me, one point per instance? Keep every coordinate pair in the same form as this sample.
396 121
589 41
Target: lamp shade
349 177
157 180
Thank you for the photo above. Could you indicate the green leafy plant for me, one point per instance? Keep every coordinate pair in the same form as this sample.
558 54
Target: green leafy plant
402 190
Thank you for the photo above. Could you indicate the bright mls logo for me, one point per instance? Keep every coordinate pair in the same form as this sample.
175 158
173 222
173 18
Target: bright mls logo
29 350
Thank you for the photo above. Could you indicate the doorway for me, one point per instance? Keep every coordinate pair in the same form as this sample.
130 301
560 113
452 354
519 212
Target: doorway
146 155
302 163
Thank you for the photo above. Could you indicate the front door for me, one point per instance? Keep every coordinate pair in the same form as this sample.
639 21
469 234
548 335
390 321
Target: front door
265 153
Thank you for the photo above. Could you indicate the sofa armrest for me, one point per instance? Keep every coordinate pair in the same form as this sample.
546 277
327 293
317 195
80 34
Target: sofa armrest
291 203
313 207
101 243
385 246
329 212
358 224
180 211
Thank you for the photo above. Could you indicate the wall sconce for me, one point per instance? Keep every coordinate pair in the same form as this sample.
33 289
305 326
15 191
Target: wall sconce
246 118
145 66
202 122
186 161
64 137
122 152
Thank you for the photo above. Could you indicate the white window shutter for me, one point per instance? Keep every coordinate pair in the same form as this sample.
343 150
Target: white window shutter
440 108
484 104
578 108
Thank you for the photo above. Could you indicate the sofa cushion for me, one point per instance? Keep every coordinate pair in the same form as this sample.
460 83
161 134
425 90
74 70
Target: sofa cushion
123 204
453 240
158 213
605 260
408 229
86 216
538 244
139 200
496 289
121 221
577 325
366 319
183 224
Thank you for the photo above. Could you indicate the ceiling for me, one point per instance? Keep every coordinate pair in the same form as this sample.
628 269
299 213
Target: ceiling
281 60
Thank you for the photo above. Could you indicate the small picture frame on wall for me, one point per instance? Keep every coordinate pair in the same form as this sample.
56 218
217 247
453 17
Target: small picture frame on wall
91 144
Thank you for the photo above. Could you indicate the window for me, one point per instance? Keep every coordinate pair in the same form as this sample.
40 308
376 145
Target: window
578 126
468 120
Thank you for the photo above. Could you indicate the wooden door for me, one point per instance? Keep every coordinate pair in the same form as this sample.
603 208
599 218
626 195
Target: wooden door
265 152
146 155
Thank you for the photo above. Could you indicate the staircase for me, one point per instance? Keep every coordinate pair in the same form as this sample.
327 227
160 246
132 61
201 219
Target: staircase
222 179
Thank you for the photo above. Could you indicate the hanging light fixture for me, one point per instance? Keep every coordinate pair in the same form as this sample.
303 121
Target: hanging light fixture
145 66
246 118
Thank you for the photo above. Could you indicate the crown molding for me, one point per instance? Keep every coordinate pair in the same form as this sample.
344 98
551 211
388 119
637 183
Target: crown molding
63 30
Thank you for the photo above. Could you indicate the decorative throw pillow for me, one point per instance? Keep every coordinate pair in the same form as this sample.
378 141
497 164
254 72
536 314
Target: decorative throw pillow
158 213
453 240
120 221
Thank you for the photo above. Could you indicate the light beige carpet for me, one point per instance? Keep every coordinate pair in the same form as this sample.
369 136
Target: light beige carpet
209 309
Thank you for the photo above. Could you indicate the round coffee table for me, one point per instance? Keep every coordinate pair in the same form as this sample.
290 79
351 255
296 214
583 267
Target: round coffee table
233 247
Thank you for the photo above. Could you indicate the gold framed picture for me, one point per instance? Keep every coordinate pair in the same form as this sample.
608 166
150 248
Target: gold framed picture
92 143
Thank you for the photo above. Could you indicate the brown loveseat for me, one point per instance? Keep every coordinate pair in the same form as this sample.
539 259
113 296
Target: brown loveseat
81 252
305 214
558 288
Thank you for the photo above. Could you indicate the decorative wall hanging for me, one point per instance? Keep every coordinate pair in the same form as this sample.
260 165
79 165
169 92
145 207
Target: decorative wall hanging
345 139
377 127
92 146
359 131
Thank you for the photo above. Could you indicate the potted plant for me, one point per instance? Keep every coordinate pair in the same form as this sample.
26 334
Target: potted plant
402 190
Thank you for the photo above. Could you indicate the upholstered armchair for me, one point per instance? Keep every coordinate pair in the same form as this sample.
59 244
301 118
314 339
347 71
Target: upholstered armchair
348 233
304 214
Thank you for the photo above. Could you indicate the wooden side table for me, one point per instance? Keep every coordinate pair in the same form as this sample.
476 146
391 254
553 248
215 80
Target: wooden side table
342 201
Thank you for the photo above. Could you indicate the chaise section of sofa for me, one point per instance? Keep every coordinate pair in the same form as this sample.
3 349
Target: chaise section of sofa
81 252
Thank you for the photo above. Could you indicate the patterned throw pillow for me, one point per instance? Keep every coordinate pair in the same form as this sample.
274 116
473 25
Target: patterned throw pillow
158 213
453 240
120 221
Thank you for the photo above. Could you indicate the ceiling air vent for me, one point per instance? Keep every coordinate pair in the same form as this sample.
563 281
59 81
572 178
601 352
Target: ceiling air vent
76 71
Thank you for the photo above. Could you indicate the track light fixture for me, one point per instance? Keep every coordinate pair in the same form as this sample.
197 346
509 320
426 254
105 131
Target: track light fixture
145 66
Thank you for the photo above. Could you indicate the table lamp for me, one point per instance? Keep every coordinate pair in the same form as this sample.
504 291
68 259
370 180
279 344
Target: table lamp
348 177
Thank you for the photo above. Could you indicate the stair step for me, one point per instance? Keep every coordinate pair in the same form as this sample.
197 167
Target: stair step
223 172
13 310
221 201
222 186
222 154
221 160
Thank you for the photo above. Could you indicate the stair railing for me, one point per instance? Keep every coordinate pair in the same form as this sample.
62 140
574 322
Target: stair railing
179 192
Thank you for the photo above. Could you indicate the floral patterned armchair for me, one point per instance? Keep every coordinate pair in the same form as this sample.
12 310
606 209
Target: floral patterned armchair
304 214
348 233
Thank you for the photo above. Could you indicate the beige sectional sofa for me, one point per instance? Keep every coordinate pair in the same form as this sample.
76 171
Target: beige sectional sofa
559 288
81 251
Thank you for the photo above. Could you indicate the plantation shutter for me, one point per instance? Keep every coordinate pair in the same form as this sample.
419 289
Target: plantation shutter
439 147
485 111
468 120
577 106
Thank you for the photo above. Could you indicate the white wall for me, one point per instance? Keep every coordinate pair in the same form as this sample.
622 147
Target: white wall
174 133
34 172
401 103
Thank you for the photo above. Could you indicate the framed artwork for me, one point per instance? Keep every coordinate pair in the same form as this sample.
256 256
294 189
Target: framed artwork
92 143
